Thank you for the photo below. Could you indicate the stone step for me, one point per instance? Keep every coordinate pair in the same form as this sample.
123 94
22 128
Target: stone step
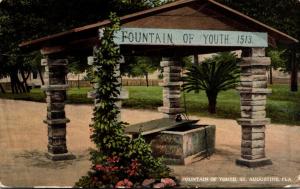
253 115
166 63
253 136
254 84
253 97
253 78
253 122
255 61
253 144
55 62
253 102
54 87
56 121
246 129
172 69
253 108
170 110
170 96
249 90
253 157
253 151
170 84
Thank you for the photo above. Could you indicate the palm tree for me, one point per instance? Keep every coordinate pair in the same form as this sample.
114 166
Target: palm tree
215 74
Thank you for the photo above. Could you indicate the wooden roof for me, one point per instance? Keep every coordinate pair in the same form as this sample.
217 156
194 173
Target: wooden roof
181 14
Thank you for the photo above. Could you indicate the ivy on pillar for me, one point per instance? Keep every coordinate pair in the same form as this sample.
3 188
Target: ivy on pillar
55 89
123 93
253 91
171 87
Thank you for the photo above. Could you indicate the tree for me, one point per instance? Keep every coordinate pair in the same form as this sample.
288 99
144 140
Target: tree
277 15
34 61
140 66
141 4
282 15
277 61
213 75
2 72
9 61
22 20
77 65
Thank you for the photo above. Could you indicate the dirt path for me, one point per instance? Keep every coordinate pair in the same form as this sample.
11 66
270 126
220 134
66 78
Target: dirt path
23 142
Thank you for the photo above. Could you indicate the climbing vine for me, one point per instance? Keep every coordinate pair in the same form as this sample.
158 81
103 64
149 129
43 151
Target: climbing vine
117 160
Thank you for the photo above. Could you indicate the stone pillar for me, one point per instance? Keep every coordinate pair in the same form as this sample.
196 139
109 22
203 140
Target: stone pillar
171 87
55 88
253 91
123 93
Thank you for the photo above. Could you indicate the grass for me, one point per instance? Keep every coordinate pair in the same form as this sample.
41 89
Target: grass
283 106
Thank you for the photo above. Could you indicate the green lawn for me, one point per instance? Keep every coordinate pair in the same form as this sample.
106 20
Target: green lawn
283 106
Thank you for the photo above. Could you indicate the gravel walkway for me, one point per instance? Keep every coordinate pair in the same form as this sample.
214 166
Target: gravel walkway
23 142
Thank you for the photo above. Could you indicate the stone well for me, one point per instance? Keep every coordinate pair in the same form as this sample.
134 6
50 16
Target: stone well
183 145
178 142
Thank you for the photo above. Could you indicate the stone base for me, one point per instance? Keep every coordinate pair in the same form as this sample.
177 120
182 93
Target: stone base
183 145
60 157
253 163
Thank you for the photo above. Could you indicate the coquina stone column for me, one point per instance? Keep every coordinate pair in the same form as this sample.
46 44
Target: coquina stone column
123 93
253 91
171 87
55 88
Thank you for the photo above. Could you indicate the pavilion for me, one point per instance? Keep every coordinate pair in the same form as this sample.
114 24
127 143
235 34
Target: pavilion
184 27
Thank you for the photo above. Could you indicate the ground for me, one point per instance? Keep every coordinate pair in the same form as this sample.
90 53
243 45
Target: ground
23 142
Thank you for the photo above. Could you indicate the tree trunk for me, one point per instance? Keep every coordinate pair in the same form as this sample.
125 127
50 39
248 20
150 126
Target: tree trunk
294 71
147 79
13 84
271 76
78 84
212 102
1 88
41 76
16 85
25 80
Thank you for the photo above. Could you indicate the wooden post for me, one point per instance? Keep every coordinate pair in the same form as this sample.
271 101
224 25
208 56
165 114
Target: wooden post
253 91
55 88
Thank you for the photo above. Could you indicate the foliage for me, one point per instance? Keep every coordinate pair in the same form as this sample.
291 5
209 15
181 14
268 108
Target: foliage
116 157
283 106
186 61
277 15
141 4
136 66
140 66
282 15
22 20
77 65
215 74
278 60
16 24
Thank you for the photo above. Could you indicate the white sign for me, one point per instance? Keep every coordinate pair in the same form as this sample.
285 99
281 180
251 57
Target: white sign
180 37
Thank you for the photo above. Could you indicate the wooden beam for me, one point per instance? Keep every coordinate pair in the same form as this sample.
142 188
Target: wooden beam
52 50
75 45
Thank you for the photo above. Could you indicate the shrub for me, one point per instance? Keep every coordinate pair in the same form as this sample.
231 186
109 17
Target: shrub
117 160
